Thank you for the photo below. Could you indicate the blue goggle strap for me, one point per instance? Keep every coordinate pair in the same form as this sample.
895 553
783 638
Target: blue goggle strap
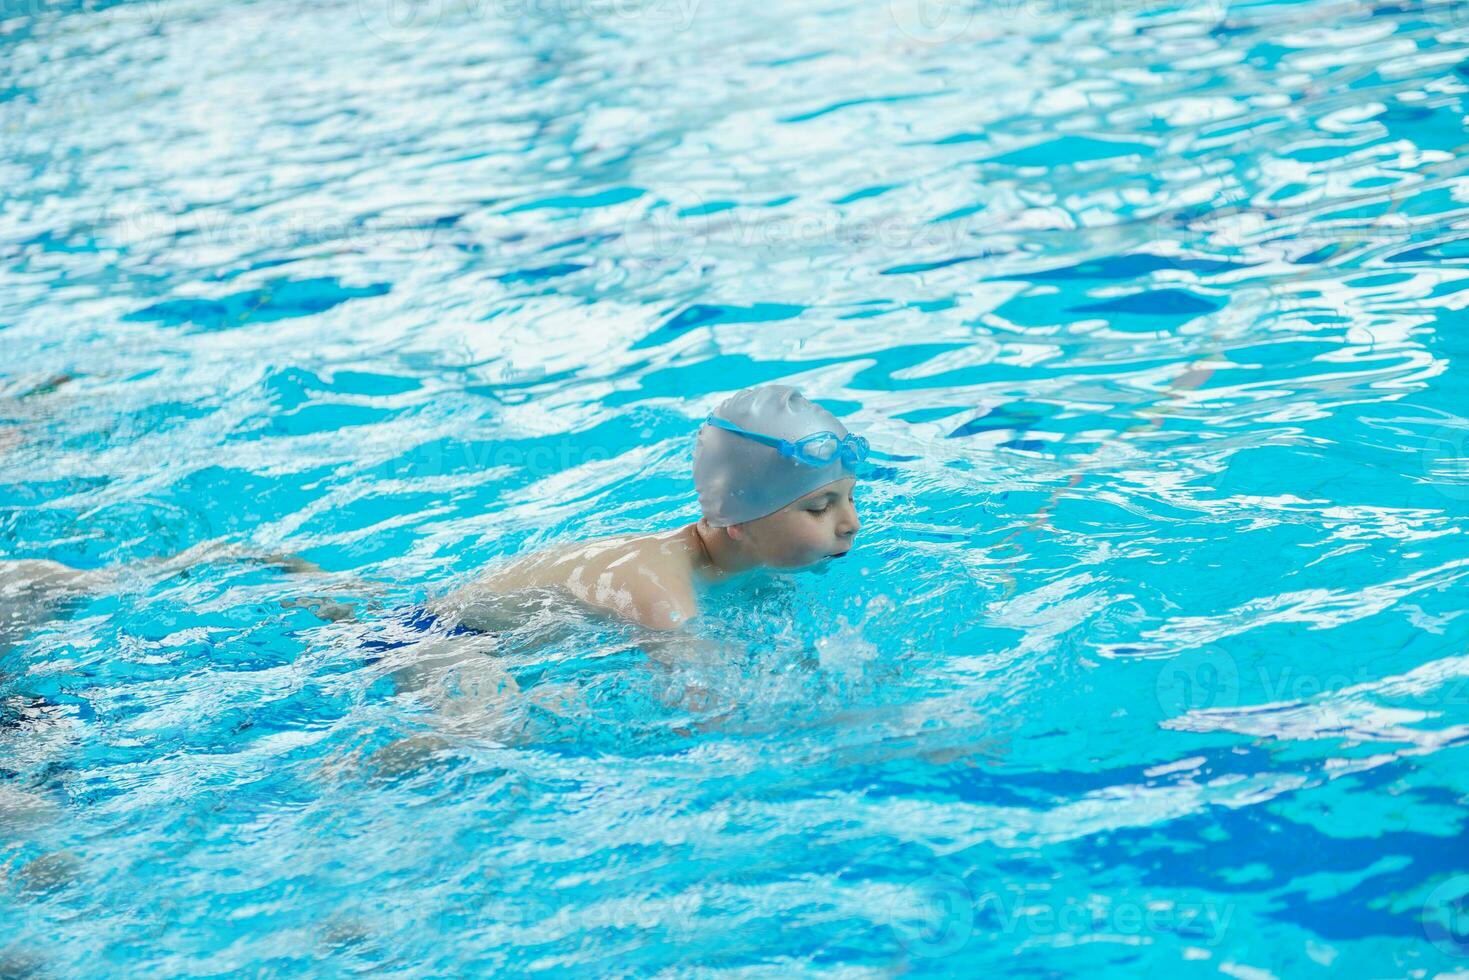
784 446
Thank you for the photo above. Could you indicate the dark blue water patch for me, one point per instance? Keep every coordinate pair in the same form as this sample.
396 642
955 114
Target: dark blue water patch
313 419
542 273
1403 113
257 265
1158 302
235 500
1039 789
369 383
299 412
919 415
794 59
589 239
693 316
865 192
376 511
1323 152
1428 127
1131 266
581 202
77 241
903 270
870 472
706 313
712 207
530 459
1016 416
1190 214
1397 9
1317 256
1453 250
849 103
878 310
690 378
292 387
1288 850
1071 149
963 137
891 360
933 306
1232 29
860 769
1025 445
279 300
1289 190
959 213
1386 279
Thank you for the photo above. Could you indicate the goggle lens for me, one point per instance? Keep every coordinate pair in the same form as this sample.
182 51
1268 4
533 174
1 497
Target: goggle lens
823 448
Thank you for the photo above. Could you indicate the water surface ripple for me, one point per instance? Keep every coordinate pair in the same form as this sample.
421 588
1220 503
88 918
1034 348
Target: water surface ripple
1152 657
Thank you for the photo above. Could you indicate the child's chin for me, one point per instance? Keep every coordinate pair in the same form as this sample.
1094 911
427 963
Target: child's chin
816 564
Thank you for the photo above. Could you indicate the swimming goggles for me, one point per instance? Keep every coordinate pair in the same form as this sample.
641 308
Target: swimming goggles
817 449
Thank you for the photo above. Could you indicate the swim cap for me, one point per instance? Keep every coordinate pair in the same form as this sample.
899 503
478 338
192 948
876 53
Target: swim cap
739 479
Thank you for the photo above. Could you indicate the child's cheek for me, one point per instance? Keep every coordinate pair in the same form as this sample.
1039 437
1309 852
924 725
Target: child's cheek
813 539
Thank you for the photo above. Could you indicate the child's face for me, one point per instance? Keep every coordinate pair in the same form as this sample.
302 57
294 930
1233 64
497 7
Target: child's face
807 530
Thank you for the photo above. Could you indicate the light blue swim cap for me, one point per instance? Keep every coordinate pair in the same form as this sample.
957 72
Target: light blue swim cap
739 479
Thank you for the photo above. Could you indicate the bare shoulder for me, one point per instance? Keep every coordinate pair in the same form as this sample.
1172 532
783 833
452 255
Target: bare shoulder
662 588
646 578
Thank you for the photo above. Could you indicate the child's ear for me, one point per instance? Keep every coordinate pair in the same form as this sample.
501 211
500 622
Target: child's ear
735 532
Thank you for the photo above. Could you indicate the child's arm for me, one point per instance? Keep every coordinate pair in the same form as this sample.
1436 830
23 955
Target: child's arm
42 584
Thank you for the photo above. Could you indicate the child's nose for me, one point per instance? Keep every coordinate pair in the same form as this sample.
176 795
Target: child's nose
851 523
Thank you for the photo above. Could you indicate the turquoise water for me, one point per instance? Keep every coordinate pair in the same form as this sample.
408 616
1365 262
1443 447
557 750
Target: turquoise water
1152 657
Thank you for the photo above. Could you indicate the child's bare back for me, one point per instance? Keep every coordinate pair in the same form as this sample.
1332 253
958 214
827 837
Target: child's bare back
646 578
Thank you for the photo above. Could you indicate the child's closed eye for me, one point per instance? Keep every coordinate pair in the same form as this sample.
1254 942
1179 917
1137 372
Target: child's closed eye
827 506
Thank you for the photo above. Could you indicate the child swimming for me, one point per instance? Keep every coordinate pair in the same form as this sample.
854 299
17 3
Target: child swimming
775 475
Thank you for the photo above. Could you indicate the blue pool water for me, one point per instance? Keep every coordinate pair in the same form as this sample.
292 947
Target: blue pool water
1152 657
